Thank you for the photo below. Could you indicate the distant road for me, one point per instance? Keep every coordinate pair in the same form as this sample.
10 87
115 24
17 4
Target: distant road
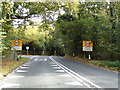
58 72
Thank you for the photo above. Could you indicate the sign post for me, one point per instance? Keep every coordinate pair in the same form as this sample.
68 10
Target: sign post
16 46
88 47
27 50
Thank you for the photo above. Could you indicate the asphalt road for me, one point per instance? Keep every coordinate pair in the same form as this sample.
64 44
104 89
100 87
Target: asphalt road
58 72
101 77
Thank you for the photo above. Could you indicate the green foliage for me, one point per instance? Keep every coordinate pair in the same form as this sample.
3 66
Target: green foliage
95 21
106 63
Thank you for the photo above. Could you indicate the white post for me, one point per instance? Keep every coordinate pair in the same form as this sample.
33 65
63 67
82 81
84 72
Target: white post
27 50
89 56
73 54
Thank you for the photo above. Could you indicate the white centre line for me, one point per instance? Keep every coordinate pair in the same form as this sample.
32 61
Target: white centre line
78 77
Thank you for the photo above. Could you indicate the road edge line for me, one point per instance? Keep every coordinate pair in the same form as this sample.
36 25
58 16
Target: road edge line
75 74
5 78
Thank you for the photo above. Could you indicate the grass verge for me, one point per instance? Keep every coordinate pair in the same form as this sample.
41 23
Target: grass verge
110 65
9 65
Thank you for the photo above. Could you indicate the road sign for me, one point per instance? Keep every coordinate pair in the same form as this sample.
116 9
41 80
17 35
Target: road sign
27 47
16 44
87 46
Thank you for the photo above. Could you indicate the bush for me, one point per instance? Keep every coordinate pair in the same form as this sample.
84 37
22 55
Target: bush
115 56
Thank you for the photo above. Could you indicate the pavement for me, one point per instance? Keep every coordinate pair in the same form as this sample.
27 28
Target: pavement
58 72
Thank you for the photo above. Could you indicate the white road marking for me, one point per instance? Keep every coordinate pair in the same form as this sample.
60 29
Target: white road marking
75 75
59 71
28 62
74 83
45 59
15 76
7 85
36 59
24 67
56 67
32 57
65 75
21 71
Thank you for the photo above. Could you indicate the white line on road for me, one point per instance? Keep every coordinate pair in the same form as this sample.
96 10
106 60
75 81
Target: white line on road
65 75
36 59
45 59
56 67
74 83
24 67
21 71
53 65
9 75
33 57
76 76
59 71
8 85
15 76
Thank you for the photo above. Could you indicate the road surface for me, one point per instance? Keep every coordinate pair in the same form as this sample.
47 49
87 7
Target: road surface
58 72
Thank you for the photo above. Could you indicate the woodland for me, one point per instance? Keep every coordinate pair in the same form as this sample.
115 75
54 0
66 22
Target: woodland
59 28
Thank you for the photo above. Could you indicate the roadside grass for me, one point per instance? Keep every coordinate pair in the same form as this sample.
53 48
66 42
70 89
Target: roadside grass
110 65
9 65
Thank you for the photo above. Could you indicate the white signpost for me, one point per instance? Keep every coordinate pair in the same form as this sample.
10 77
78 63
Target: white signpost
27 49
